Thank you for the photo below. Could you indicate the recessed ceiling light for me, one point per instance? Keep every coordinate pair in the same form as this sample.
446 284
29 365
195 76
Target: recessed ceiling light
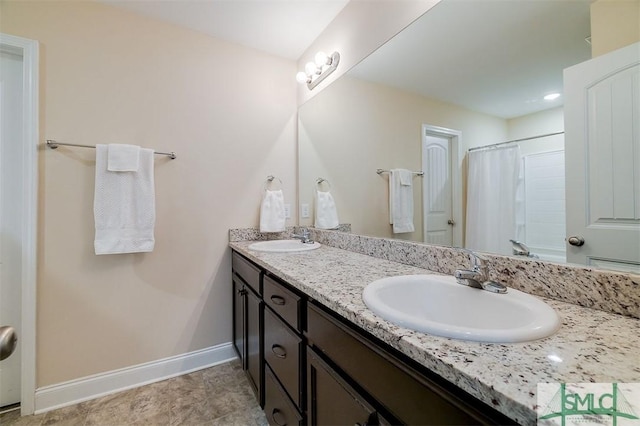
551 96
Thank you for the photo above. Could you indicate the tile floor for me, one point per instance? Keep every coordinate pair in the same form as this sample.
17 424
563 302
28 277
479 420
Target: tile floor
219 395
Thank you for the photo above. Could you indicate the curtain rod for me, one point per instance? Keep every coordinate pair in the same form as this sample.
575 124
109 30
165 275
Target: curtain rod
514 141
53 145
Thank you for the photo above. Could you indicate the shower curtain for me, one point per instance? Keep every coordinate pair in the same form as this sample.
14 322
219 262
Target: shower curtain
491 199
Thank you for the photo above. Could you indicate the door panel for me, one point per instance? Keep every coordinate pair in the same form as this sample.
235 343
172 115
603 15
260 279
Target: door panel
602 112
437 191
11 196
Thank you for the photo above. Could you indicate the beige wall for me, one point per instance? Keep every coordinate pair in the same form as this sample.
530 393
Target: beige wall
110 76
614 24
536 124
375 126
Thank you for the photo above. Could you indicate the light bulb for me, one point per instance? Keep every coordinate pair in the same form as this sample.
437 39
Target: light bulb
302 77
321 59
551 96
311 68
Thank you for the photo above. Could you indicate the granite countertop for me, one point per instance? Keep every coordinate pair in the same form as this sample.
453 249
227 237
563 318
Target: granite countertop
591 346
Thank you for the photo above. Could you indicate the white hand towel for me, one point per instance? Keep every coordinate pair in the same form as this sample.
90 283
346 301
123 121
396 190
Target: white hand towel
123 158
401 200
124 206
326 212
272 215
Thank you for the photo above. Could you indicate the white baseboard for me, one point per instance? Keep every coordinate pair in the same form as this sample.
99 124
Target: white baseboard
72 392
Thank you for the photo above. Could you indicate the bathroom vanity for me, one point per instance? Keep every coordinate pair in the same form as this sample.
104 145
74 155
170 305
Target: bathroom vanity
318 368
315 354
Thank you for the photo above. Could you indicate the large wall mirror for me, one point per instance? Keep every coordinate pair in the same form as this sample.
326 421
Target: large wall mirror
435 99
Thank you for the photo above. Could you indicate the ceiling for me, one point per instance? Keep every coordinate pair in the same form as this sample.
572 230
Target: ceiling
284 28
494 56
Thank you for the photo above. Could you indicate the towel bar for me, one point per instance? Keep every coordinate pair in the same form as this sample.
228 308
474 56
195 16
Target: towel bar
53 145
380 171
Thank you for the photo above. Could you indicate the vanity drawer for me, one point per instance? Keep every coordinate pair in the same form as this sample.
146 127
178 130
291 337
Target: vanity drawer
277 407
283 301
410 396
282 351
246 270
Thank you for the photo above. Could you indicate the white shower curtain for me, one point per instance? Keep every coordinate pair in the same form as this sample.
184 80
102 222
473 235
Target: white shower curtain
491 199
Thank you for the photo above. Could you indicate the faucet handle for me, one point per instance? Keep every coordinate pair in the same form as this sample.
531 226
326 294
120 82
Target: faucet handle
477 260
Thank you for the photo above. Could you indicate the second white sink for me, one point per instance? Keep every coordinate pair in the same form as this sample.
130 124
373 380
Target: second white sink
283 246
438 305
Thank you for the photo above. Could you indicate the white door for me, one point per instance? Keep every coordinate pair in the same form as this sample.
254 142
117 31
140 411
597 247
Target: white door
602 136
11 194
441 208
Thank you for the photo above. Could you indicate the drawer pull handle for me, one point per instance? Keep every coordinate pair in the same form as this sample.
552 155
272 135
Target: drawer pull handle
279 351
281 422
278 300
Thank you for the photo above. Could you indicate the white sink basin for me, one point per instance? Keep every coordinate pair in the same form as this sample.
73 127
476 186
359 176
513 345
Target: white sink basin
284 246
438 305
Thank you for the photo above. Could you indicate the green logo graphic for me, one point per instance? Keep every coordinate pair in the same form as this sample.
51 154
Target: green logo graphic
567 403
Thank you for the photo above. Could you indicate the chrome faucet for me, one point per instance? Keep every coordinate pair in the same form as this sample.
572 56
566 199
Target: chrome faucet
521 249
478 275
304 236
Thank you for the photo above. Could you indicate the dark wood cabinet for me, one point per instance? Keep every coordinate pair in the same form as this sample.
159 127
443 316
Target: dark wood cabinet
239 322
308 365
278 407
284 345
247 321
401 390
332 401
254 343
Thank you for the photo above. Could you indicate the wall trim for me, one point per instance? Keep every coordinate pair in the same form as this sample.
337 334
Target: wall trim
29 50
83 389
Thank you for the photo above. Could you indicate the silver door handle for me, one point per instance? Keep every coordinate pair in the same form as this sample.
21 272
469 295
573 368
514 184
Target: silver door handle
451 222
575 241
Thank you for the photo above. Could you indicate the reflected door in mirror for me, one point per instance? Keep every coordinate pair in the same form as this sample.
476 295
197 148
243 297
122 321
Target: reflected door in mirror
602 111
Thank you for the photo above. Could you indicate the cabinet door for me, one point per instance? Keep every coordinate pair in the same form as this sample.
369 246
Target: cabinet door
277 406
239 333
331 401
254 343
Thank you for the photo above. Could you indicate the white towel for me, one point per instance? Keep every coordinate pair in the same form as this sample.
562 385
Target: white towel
326 212
124 206
401 200
123 158
272 215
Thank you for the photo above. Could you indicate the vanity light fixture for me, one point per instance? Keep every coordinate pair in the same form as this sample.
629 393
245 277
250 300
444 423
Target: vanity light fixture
552 96
315 72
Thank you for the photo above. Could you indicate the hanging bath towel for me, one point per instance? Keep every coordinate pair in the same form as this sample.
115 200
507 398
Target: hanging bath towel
401 200
326 212
272 214
124 201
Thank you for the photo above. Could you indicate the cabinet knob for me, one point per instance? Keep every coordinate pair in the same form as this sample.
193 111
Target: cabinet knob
275 414
279 351
576 240
278 300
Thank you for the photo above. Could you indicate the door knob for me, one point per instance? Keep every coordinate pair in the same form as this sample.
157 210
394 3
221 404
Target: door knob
575 240
451 222
8 341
